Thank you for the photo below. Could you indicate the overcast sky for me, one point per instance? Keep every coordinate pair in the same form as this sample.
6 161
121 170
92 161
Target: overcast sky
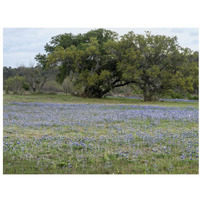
20 45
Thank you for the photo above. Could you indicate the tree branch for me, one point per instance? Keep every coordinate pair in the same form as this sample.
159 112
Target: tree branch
123 84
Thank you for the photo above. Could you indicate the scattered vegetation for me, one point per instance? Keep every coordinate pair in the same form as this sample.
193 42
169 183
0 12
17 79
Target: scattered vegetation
56 138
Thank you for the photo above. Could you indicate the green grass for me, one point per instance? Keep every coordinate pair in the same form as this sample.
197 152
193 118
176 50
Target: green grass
61 98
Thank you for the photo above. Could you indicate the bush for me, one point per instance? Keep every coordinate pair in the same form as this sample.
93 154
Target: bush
69 87
193 97
177 96
25 86
52 86
170 94
15 84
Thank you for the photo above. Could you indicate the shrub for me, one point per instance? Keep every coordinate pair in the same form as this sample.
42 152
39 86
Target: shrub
25 86
68 86
52 86
193 97
15 84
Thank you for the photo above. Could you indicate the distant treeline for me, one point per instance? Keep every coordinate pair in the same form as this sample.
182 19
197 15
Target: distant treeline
99 63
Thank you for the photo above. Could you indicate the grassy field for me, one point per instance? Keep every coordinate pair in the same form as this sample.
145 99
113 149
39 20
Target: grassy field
63 134
61 98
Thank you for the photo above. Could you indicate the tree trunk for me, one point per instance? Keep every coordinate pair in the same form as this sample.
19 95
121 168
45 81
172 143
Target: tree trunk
148 96
92 92
34 89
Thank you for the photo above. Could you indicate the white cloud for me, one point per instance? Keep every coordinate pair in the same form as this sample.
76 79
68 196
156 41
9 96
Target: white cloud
22 44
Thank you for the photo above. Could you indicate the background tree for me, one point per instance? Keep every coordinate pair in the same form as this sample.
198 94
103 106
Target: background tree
10 72
35 76
193 66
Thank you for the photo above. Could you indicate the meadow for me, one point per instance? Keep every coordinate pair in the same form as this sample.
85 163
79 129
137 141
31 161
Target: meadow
62 134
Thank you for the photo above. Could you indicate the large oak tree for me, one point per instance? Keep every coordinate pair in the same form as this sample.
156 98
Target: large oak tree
151 62
86 59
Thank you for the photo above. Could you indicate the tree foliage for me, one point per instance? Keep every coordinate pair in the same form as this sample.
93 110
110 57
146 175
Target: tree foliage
152 62
98 61
85 58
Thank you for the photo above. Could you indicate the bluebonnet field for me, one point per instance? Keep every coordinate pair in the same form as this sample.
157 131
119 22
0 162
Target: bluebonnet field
100 139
